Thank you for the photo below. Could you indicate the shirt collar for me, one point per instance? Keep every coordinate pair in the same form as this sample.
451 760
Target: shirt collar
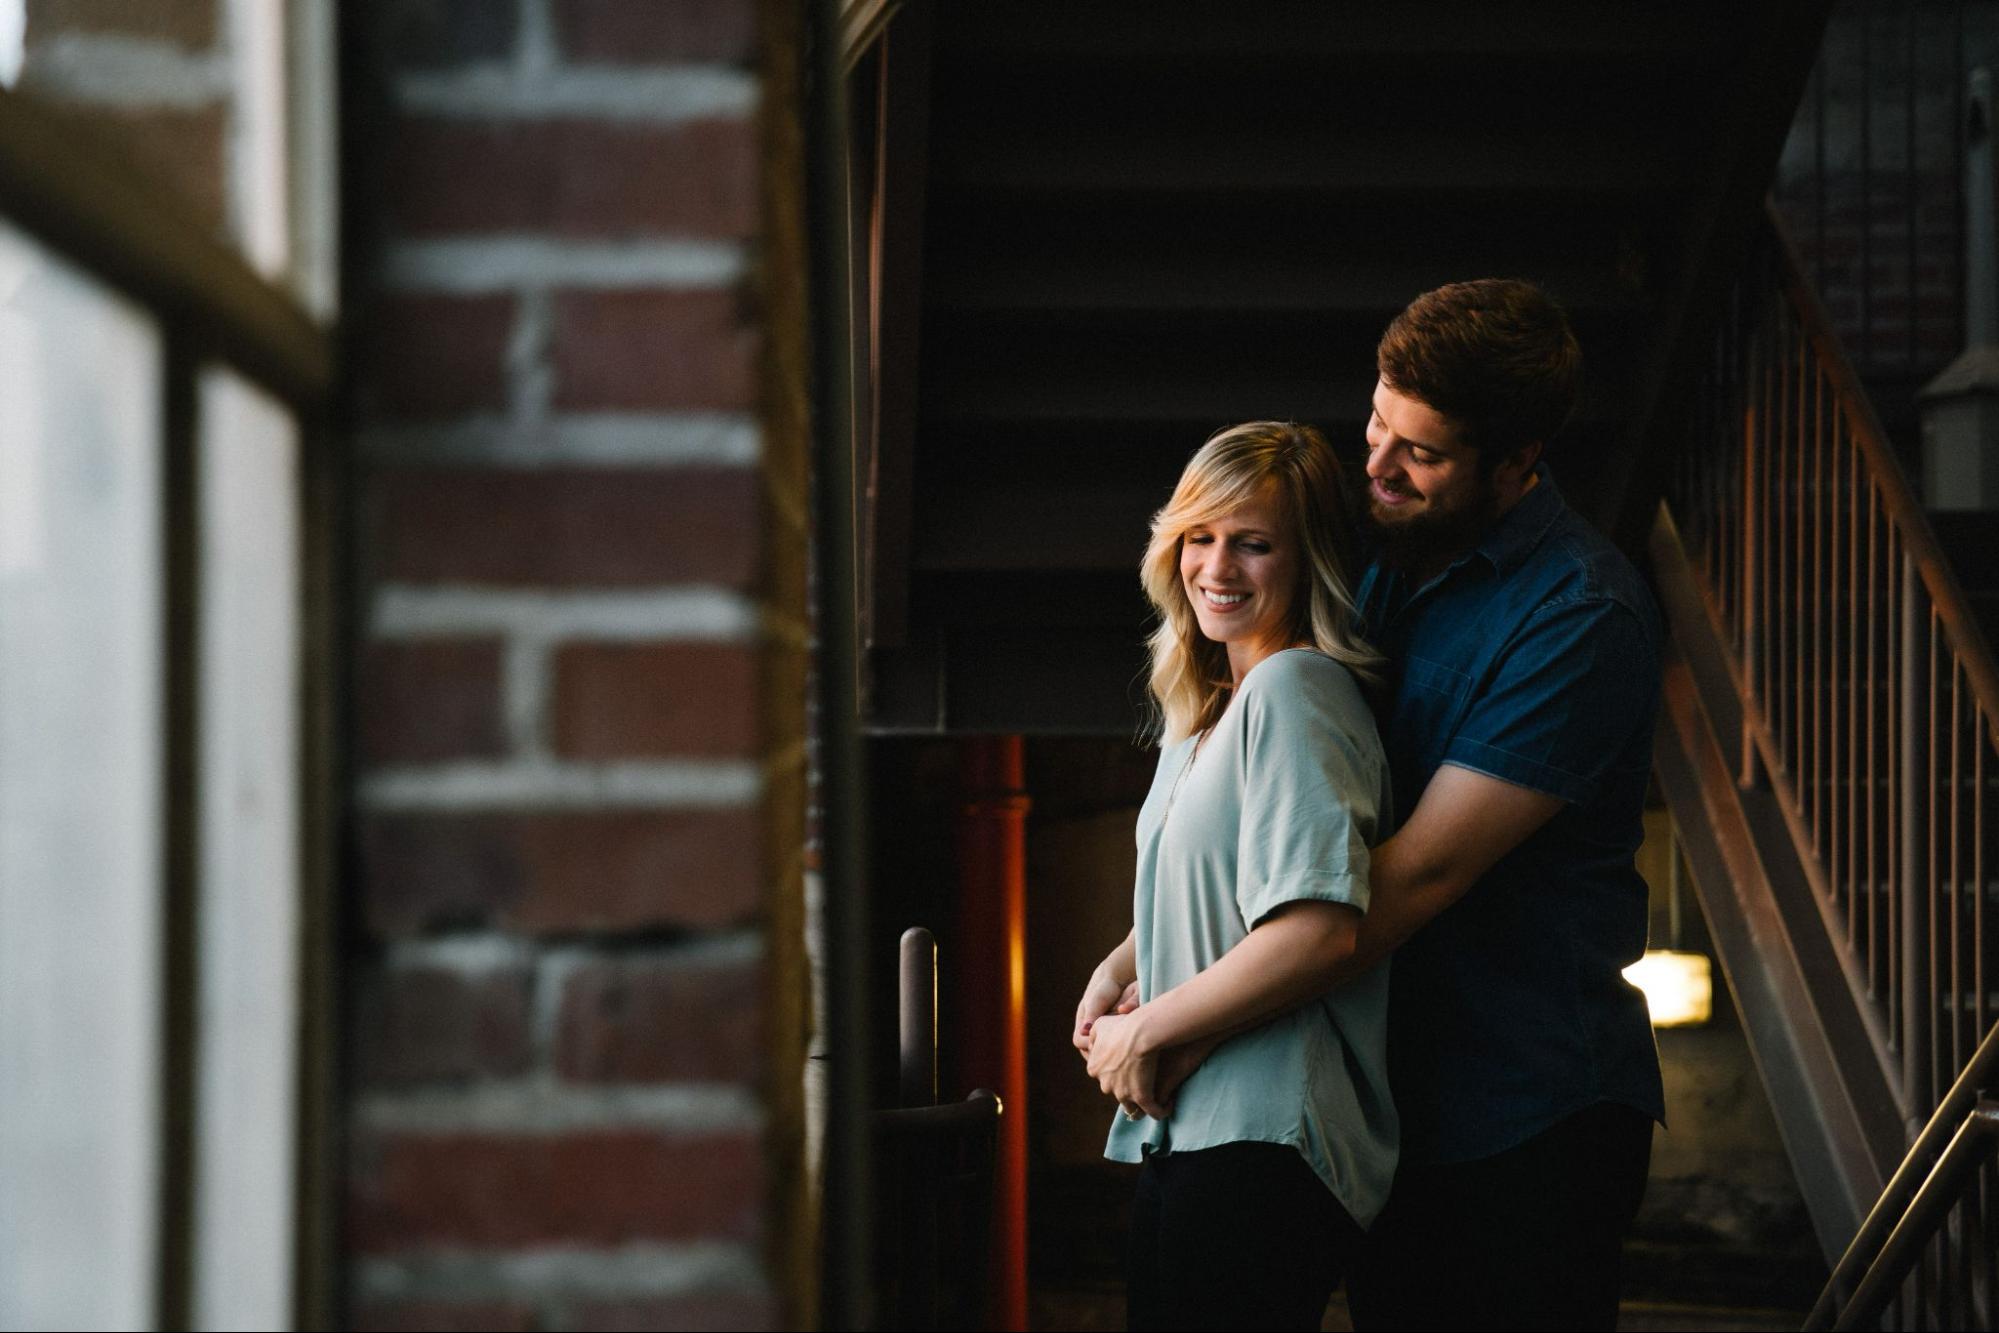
1520 529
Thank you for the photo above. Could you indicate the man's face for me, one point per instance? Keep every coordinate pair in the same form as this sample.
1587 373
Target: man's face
1425 497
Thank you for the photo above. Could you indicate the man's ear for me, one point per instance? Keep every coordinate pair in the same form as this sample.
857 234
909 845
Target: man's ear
1513 469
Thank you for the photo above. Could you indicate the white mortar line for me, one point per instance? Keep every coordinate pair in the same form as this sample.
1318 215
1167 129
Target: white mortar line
638 1270
681 614
670 784
128 72
590 440
634 96
485 951
509 263
540 1105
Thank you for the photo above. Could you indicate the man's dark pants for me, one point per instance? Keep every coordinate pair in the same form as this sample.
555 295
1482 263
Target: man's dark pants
1526 1239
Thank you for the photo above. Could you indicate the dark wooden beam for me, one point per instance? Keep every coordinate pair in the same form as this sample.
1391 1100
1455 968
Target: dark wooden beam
901 160
72 193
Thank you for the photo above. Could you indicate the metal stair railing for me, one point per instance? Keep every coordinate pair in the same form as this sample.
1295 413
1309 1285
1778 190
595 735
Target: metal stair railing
1956 1146
1869 710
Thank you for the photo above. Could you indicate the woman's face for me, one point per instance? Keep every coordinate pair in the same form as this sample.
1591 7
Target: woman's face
1240 573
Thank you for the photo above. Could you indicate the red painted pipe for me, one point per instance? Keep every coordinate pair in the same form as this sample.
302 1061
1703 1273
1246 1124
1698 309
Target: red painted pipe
991 988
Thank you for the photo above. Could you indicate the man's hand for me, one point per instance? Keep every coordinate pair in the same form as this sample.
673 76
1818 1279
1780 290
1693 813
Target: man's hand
1121 1065
1176 1063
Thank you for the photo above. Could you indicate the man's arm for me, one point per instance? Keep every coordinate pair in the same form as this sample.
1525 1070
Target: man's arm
1283 962
1463 824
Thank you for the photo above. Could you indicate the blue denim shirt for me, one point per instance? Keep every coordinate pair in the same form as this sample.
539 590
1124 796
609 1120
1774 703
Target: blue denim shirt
1534 658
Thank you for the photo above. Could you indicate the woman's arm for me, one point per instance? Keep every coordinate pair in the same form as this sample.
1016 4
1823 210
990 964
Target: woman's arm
1106 987
1287 959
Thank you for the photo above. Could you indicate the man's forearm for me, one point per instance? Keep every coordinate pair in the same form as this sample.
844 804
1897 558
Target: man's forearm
1290 958
1405 890
1463 824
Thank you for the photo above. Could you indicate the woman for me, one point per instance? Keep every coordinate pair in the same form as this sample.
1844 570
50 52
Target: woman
1263 1165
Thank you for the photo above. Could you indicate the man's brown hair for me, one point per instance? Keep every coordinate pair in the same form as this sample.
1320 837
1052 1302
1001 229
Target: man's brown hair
1496 356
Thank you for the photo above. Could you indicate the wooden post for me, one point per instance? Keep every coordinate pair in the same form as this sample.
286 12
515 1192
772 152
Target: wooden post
991 988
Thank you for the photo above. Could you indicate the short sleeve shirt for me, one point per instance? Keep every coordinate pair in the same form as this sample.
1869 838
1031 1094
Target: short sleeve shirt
1534 659
1280 805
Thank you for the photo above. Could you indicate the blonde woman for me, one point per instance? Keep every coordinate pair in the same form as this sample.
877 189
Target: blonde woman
1263 1163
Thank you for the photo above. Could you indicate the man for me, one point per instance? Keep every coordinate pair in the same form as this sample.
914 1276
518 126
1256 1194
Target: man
1525 658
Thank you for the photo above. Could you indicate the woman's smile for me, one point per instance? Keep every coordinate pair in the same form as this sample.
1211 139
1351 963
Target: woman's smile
1239 572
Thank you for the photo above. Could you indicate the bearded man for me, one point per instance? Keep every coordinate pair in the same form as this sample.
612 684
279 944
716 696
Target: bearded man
1525 653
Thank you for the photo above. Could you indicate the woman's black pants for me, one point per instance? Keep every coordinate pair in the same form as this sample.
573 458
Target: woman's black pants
1239 1236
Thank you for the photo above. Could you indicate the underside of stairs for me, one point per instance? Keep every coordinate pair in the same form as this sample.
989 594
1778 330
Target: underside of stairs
1134 232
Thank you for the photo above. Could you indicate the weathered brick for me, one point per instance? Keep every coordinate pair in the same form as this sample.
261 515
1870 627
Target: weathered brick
430 699
433 33
430 1024
561 872
573 177
601 1187
430 356
722 1311
628 1021
652 350
566 528
648 31
444 1317
628 700
185 23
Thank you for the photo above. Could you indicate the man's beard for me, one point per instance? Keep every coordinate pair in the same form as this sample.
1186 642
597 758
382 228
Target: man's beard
1432 538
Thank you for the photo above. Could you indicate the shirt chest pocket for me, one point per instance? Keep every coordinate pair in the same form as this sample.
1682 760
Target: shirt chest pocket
1430 704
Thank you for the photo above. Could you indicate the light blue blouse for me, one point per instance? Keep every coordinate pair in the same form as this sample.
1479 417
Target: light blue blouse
1280 805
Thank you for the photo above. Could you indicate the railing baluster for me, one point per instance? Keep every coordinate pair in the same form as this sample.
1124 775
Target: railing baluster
1814 618
1877 879
1751 659
1895 764
1956 882
1860 882
1915 1077
1980 736
1805 613
1933 868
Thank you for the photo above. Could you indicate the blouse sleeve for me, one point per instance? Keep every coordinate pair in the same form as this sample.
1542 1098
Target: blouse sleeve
1313 778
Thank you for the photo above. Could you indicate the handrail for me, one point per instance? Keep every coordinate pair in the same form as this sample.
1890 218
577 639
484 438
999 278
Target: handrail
1904 509
81 200
1886 1244
1970 1148
1870 712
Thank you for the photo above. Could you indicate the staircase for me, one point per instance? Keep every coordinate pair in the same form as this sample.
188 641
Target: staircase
1137 229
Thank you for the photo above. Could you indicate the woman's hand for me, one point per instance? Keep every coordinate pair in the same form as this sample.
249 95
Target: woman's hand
1102 996
1122 1066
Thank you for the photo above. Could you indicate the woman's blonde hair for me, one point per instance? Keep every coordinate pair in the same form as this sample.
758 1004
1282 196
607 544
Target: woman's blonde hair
1190 673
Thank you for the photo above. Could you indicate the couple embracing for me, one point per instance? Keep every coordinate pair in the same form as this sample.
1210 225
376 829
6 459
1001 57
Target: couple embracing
1442 756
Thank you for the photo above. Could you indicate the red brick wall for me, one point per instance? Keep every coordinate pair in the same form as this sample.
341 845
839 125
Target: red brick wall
578 993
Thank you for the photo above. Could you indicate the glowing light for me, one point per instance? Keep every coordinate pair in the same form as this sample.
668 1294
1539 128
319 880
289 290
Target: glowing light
1679 987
